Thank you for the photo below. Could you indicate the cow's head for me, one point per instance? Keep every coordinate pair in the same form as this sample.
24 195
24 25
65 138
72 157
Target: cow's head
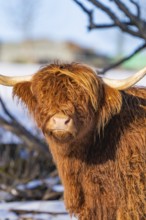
69 101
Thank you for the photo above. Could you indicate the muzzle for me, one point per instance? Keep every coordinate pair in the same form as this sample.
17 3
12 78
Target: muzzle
61 126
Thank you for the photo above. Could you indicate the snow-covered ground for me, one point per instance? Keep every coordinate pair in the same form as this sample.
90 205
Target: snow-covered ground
18 111
41 210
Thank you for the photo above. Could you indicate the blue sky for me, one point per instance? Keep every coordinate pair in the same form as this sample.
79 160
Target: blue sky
63 20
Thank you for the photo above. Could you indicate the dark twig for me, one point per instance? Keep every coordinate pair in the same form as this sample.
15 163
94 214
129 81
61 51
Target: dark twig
123 59
134 25
92 25
102 26
130 15
111 14
88 12
137 8
126 10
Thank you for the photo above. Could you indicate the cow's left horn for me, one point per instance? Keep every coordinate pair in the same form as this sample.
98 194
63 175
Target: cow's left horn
11 81
125 83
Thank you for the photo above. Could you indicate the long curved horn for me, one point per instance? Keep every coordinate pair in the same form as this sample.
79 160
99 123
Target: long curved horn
125 83
11 81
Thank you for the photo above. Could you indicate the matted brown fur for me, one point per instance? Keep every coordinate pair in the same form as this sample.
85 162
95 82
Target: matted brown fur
103 169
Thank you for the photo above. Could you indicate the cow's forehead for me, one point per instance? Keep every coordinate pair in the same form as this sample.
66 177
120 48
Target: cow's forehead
72 70
82 75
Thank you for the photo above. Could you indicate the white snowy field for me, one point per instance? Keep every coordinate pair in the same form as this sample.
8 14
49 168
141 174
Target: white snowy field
18 111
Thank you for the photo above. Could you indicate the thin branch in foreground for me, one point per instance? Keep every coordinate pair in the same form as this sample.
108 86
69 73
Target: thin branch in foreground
123 59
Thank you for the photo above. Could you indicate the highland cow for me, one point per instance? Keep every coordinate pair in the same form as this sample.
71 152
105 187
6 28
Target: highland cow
96 131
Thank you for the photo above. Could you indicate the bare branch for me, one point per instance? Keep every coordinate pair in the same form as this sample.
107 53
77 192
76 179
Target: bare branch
134 26
19 130
92 25
129 14
123 59
112 15
6 111
88 12
31 142
102 26
137 7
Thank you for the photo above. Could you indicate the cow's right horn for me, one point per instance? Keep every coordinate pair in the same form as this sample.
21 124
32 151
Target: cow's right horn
125 83
12 80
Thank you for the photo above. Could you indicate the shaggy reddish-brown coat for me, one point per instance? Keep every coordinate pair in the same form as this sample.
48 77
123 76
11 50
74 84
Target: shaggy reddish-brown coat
103 166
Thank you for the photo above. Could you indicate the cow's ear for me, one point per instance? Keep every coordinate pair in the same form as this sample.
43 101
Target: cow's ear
23 92
110 105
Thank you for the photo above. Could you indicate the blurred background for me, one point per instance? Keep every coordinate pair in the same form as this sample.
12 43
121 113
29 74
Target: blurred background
109 35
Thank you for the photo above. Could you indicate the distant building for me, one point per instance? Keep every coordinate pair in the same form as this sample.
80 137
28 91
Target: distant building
46 51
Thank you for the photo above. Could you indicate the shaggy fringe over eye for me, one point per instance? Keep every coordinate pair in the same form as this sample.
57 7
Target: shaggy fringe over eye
83 75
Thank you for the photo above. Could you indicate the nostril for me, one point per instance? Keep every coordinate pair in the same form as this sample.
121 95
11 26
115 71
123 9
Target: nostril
67 121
